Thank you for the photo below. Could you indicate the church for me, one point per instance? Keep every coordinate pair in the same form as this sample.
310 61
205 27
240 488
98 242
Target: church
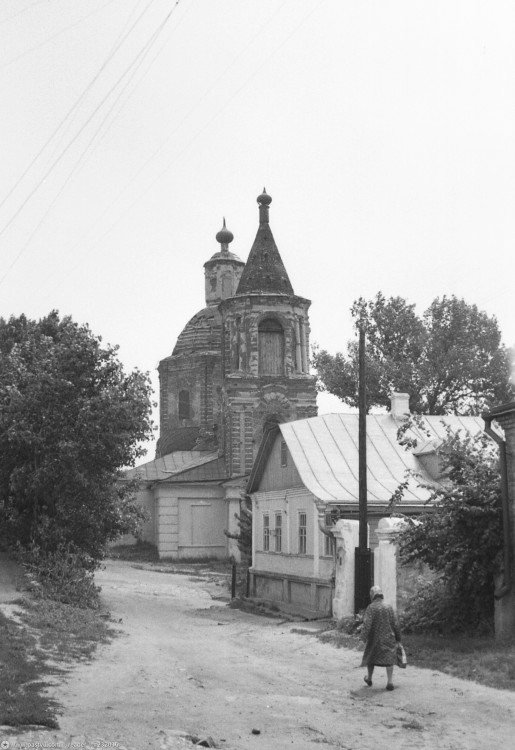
240 366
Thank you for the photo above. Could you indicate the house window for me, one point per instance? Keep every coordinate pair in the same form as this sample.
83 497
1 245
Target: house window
184 404
328 540
303 523
266 532
284 453
271 347
278 532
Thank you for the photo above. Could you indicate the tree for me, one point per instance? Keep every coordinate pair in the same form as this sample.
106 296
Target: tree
244 534
451 360
460 536
70 420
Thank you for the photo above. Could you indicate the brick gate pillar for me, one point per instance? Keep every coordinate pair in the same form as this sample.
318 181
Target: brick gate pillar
504 415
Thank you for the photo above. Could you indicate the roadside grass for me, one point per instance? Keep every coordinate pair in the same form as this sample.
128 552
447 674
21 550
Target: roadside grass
22 668
482 660
40 641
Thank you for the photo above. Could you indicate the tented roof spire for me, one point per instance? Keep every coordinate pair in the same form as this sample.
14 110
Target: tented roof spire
264 270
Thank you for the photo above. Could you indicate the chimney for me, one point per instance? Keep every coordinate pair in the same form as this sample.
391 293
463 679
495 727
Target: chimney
399 405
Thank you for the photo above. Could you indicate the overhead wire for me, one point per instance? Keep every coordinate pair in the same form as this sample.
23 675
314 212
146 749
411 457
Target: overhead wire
148 45
66 128
193 108
230 99
105 124
54 36
188 145
20 12
205 93
68 114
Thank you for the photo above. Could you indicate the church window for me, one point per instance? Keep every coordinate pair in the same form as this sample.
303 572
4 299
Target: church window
303 348
271 347
184 404
236 343
226 286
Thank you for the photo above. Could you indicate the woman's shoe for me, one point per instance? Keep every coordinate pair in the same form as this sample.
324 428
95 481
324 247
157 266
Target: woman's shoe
368 681
390 686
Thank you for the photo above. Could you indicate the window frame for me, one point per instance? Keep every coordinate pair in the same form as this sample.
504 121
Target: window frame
302 532
266 532
328 540
278 532
184 404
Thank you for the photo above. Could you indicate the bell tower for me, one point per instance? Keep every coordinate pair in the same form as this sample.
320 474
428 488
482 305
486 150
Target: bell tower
265 351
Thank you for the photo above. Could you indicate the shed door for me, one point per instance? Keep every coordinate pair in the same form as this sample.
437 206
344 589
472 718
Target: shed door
202 524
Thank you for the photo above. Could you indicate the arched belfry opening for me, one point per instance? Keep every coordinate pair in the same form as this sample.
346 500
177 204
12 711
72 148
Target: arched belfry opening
271 347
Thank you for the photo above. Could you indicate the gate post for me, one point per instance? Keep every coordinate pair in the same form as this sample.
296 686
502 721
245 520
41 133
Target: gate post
385 558
346 536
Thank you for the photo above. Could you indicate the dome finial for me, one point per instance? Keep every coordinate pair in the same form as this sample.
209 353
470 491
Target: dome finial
224 237
264 200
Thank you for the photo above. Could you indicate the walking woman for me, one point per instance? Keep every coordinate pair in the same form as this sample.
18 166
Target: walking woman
381 634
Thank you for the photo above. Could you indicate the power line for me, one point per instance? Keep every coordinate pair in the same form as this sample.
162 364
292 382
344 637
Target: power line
142 53
98 135
20 12
118 39
68 114
188 145
54 36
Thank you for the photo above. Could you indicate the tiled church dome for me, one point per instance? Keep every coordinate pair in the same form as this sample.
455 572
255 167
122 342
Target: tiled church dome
201 333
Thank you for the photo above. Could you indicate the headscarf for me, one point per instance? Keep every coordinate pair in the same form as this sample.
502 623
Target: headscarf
375 593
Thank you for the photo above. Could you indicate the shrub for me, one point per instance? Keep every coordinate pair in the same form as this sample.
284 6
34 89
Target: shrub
459 538
352 625
65 575
433 608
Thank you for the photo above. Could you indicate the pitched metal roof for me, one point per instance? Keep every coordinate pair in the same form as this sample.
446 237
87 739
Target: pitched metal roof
181 464
325 452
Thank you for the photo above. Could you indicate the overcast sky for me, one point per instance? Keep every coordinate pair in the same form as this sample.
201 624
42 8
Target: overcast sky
383 130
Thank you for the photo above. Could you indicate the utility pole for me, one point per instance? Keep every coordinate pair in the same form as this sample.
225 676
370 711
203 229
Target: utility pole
363 554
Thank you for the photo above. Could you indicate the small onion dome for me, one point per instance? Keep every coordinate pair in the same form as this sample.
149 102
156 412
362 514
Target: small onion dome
264 199
224 236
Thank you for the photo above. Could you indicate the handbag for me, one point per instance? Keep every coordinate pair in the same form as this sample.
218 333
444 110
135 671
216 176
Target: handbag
401 656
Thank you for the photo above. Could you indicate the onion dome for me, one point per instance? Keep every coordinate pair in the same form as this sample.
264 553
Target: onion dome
264 199
224 236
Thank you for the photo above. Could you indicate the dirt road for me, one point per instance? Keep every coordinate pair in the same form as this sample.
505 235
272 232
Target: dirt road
187 664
